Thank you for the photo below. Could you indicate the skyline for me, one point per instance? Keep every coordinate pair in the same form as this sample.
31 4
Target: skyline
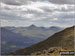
45 13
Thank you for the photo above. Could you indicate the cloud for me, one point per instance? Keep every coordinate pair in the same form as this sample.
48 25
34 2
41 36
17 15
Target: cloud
64 15
63 1
60 8
38 13
22 2
13 2
16 23
9 15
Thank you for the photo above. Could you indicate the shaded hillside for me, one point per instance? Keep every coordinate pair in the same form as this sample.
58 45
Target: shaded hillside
11 41
63 39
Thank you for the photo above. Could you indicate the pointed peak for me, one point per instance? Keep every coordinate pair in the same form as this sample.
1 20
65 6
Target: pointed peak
32 25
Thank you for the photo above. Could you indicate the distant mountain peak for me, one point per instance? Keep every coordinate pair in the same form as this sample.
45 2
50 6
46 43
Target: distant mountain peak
32 25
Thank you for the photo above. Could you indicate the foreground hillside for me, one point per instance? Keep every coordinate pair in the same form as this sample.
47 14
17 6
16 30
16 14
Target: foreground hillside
63 39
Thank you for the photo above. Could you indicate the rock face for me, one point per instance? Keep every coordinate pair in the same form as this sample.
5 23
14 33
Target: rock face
63 39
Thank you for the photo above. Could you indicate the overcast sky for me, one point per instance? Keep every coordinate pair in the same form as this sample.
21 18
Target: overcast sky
46 13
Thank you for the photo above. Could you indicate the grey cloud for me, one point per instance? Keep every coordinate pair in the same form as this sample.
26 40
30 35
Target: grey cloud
11 2
60 9
16 2
8 15
13 15
65 15
21 2
31 11
13 23
44 18
47 9
72 16
63 1
47 23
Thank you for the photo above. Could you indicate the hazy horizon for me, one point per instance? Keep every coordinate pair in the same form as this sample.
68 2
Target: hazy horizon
38 26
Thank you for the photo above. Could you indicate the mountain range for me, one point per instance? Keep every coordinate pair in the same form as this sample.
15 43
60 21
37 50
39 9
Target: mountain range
60 40
14 38
34 31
